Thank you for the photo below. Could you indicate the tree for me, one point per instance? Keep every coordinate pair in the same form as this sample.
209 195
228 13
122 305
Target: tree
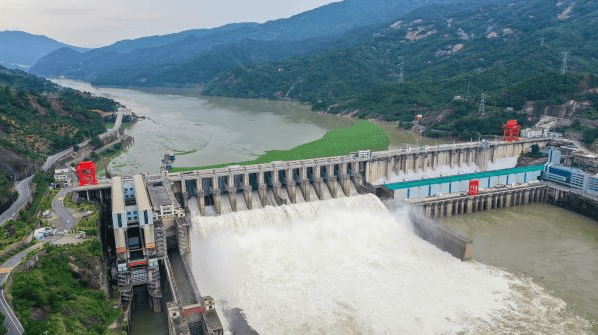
96 142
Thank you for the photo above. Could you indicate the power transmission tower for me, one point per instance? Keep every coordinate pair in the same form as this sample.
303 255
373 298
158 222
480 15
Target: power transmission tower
401 79
564 64
468 84
482 109
541 40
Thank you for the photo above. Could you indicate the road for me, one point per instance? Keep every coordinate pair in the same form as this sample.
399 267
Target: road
51 160
67 221
117 124
24 189
12 322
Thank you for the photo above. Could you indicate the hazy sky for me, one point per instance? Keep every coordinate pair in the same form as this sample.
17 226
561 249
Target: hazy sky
92 23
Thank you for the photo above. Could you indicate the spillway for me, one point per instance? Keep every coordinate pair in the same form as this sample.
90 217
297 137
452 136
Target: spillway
226 208
271 200
325 192
284 195
255 200
339 189
241 204
351 266
353 189
313 195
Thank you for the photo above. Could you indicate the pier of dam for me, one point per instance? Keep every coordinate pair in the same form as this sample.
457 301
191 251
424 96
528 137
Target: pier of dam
501 196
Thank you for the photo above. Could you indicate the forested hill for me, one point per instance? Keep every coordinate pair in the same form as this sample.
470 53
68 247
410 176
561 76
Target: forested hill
194 57
38 117
512 52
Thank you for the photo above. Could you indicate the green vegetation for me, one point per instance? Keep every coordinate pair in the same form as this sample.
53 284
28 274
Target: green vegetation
362 135
3 329
7 194
535 152
103 158
15 231
590 135
38 118
62 293
89 223
493 50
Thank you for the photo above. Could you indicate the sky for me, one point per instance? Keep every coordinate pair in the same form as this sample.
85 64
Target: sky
94 23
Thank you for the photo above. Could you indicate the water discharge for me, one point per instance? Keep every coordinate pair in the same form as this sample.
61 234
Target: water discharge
351 266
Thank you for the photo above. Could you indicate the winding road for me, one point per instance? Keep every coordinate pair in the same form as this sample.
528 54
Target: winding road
11 322
24 189
67 220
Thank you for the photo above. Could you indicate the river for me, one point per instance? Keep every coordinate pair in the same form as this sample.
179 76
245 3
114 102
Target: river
352 266
553 247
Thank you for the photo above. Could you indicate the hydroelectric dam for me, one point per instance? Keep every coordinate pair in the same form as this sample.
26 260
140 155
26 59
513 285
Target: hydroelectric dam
204 246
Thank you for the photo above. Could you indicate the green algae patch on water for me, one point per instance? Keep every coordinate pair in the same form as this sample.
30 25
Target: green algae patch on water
363 135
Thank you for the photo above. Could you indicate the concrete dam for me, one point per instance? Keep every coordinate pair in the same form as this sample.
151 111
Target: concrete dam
238 188
167 230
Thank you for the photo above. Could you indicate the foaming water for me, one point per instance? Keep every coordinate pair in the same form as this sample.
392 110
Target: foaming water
351 266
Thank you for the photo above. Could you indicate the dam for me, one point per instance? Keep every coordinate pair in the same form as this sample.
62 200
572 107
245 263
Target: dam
192 239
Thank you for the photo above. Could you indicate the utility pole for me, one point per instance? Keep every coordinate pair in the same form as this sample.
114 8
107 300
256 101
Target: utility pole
482 109
564 64
401 79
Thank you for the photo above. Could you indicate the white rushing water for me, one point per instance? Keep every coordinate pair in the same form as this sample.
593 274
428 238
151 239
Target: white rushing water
351 266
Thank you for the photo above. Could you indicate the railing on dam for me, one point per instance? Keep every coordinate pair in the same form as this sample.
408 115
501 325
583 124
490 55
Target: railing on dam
280 165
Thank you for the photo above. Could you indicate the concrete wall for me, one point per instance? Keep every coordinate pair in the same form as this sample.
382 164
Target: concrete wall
443 238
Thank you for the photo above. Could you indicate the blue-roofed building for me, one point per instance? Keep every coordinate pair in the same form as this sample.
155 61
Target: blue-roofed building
460 183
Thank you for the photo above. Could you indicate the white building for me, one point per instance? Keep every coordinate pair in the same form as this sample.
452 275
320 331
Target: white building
62 175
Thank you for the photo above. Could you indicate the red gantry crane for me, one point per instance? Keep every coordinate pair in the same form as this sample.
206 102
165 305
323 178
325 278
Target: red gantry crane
511 131
87 173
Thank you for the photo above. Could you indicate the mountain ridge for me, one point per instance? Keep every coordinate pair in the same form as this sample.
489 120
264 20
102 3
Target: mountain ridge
19 49
317 29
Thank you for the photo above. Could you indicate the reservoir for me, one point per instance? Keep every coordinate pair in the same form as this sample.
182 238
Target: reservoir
212 130
206 131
